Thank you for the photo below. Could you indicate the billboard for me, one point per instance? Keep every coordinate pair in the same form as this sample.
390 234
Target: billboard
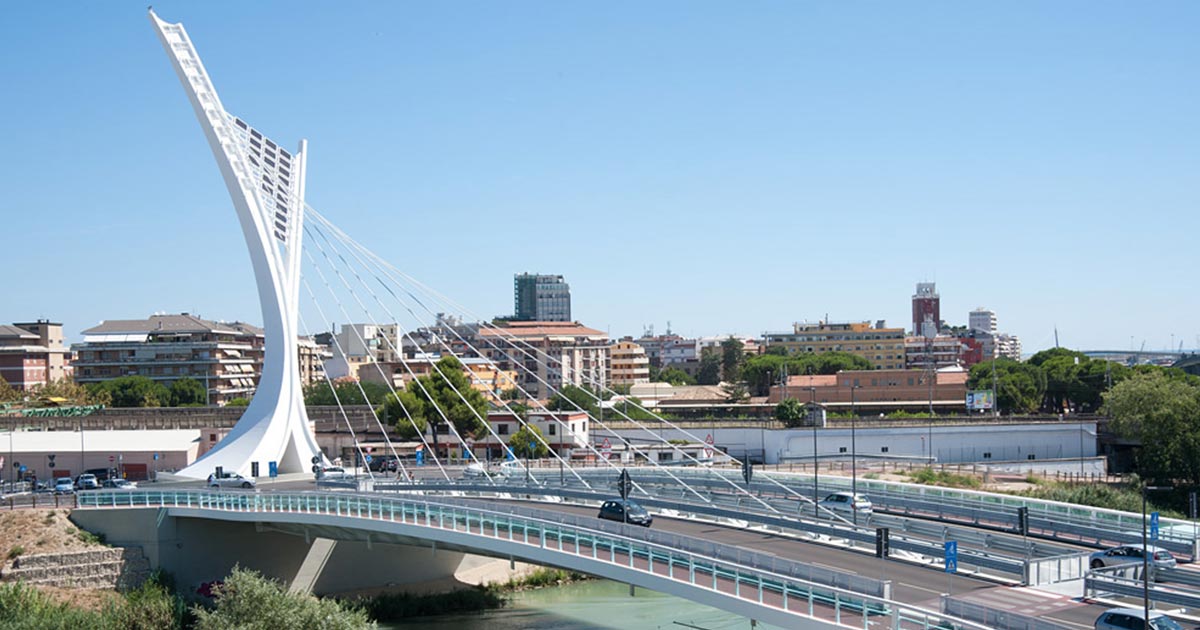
981 399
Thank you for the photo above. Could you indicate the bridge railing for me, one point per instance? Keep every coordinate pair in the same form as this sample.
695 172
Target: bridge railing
720 570
1048 519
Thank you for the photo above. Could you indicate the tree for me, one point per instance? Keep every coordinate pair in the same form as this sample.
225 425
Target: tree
346 392
675 376
512 393
1162 413
238 402
443 394
248 600
1021 385
188 391
710 367
790 412
136 391
633 408
527 443
735 392
573 398
7 392
73 392
732 355
778 350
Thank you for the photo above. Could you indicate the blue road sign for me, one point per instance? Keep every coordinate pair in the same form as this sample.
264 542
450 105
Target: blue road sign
22 468
1154 526
156 457
273 469
367 458
951 552
420 458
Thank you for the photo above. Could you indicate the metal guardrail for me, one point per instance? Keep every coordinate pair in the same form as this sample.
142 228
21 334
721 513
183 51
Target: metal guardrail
1110 581
1178 576
992 618
743 512
1047 519
630 548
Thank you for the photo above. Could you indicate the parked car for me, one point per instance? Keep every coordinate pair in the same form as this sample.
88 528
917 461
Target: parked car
86 481
1134 619
1131 554
230 480
847 503
625 512
119 484
334 473
64 485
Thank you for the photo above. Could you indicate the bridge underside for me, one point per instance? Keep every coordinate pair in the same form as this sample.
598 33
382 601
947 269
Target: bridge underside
199 550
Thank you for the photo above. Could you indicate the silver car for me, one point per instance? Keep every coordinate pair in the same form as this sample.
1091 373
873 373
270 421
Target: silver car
1131 554
847 503
230 480
1133 619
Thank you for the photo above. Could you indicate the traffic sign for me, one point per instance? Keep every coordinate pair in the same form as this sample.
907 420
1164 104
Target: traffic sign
111 459
950 549
272 469
156 457
367 458
606 448
316 459
1154 526
708 450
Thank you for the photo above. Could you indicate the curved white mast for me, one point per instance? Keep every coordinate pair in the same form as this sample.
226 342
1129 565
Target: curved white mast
267 186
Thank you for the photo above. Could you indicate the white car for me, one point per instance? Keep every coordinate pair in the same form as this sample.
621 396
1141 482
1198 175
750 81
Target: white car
475 470
1133 618
230 480
334 473
86 481
847 503
1131 554
512 469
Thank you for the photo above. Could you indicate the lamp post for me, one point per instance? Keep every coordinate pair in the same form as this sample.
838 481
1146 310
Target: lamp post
853 455
1146 557
812 405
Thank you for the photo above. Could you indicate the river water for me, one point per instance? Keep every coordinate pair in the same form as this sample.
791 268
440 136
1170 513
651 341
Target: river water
589 605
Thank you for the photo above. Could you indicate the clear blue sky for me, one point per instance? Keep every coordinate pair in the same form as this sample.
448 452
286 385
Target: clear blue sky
730 167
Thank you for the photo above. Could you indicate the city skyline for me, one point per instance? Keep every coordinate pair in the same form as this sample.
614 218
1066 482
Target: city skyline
689 184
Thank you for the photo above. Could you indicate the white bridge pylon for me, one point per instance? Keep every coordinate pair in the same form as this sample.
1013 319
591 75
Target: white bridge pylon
266 183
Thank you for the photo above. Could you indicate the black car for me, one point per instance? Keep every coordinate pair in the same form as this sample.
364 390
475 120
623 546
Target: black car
382 463
625 512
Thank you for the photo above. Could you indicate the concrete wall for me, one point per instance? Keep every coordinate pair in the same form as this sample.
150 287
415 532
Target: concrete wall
950 444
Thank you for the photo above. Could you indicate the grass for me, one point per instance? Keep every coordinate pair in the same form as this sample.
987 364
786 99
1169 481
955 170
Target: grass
1124 498
15 552
930 477
543 577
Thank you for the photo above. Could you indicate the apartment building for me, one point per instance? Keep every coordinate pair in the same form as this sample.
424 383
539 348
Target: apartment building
541 298
33 354
868 389
883 347
629 363
356 346
225 357
548 355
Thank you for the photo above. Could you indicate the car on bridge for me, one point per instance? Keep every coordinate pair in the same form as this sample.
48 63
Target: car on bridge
64 485
334 473
1133 619
1131 555
119 484
86 481
230 480
475 470
625 512
847 503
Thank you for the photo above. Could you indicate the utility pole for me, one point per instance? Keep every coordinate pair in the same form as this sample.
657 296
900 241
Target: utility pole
853 455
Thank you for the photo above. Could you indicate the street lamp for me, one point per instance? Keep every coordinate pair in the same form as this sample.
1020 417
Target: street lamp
853 454
1146 557
812 406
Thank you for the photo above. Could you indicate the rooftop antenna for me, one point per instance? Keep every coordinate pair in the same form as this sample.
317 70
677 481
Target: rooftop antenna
668 327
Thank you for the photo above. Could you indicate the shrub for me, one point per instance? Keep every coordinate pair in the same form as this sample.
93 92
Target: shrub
15 551
247 600
394 606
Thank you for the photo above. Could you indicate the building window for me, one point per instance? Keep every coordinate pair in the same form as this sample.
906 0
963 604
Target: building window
842 449
1031 456
665 457
502 429
883 449
987 455
552 428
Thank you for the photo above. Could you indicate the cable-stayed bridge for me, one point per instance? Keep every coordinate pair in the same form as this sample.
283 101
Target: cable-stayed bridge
728 536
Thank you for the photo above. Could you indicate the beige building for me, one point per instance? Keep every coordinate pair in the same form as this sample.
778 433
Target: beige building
484 375
629 363
548 355
874 388
33 354
883 347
